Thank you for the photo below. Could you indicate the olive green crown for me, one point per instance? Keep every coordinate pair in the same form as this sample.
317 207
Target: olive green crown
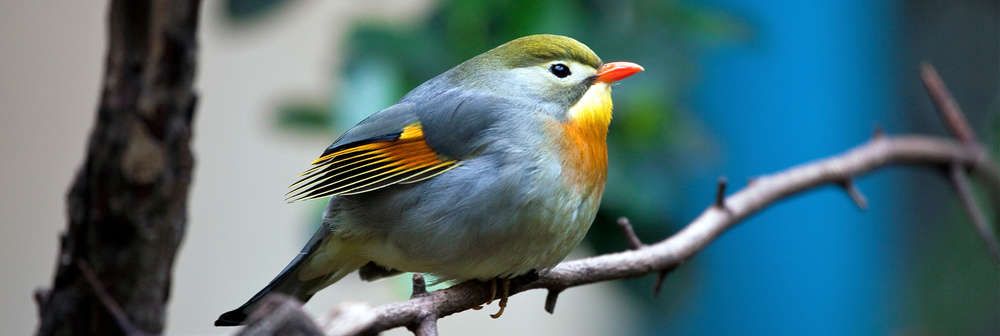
542 48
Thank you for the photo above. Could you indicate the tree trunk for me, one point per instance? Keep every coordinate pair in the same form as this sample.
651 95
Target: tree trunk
127 207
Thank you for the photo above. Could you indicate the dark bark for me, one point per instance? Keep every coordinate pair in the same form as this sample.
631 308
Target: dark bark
127 207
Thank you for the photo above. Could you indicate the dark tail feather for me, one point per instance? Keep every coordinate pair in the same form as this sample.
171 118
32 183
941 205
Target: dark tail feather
286 283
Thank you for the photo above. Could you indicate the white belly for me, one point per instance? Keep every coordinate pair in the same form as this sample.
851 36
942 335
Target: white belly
538 238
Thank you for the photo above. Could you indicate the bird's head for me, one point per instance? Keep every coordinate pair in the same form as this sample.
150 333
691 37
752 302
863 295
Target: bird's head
547 68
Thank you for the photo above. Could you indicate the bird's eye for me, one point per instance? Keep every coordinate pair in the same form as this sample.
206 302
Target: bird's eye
560 70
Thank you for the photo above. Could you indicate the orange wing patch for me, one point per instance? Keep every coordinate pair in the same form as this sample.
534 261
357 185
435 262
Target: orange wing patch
371 166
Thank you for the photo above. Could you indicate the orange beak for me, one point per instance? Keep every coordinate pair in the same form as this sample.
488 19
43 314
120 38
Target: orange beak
616 71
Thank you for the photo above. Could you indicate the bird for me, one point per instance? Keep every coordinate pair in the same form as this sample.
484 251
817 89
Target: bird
491 170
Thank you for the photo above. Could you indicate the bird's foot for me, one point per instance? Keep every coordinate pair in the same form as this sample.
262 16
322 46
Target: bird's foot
493 295
503 298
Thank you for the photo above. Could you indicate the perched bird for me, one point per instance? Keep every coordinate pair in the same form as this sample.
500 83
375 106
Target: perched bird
493 169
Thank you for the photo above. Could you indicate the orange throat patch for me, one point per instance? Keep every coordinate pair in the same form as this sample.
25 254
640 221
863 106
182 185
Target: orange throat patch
584 143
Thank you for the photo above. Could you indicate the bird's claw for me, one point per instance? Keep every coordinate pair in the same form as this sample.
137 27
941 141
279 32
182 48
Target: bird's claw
493 291
503 298
493 295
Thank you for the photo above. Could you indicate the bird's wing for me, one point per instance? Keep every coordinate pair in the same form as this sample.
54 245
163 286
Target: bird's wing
406 143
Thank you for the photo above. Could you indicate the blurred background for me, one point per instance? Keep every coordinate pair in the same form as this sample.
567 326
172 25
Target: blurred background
733 87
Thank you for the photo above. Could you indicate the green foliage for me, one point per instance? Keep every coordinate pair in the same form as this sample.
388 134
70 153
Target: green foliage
953 289
244 11
303 115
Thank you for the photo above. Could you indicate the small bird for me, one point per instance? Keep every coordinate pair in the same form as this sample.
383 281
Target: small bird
491 170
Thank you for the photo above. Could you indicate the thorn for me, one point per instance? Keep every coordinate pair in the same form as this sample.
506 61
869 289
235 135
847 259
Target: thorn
419 285
720 193
633 240
946 104
960 181
551 298
41 295
877 133
659 282
662 275
852 190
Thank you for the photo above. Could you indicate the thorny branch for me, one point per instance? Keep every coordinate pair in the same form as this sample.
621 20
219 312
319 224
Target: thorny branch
426 325
955 119
420 312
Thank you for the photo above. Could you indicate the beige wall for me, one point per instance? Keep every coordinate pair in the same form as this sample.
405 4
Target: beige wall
49 70
241 232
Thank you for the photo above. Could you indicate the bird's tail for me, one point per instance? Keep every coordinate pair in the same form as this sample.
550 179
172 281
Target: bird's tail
321 262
